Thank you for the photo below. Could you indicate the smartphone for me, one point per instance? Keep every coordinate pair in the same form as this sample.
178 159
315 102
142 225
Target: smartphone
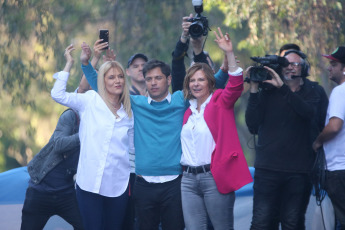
104 34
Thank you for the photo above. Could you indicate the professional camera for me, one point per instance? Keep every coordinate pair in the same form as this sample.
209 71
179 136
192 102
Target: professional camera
259 74
199 24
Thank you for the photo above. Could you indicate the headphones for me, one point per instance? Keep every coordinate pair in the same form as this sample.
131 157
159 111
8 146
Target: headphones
304 65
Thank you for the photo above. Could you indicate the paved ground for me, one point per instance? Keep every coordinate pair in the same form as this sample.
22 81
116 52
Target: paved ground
10 216
13 185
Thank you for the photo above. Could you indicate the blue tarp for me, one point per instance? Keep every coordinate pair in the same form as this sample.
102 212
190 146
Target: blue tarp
13 184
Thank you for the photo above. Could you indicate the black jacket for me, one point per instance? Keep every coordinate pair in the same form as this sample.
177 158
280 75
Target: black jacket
286 124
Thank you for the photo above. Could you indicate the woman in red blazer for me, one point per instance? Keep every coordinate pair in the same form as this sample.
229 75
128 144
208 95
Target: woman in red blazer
214 164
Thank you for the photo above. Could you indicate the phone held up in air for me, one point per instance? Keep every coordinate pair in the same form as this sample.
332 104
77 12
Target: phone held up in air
104 34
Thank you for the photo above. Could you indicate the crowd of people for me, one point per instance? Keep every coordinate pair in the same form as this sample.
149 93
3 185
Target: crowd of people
145 158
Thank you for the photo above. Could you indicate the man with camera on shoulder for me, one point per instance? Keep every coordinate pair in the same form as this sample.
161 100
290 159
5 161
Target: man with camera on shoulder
281 111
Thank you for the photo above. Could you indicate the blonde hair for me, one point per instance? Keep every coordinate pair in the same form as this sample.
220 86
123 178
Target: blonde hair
124 97
208 72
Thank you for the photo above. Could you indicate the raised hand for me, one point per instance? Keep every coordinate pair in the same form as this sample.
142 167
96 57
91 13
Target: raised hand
69 58
85 54
224 42
185 26
98 48
109 55
68 52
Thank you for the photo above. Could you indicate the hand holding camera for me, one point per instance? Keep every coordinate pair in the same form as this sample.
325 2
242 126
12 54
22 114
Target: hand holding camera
185 28
254 86
199 24
275 78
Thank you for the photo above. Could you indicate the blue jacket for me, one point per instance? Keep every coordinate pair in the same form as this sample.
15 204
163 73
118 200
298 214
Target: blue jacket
63 143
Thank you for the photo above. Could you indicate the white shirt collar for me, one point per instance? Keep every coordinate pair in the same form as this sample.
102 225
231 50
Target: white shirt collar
193 104
168 98
121 112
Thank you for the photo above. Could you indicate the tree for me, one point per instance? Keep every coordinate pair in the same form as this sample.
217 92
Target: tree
33 35
318 26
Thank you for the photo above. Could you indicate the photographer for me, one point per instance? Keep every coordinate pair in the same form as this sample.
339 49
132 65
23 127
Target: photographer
282 118
178 69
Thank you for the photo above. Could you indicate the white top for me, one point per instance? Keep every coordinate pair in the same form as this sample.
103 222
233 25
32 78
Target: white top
105 140
196 138
166 178
335 148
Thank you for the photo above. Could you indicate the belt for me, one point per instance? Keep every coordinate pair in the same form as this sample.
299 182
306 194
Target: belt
197 169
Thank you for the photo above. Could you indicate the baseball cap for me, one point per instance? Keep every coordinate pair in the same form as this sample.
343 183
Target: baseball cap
138 55
337 55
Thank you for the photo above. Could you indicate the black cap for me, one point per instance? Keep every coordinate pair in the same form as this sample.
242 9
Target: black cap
138 55
337 55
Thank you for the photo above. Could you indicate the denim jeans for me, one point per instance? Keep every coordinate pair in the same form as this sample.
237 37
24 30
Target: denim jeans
40 206
101 212
336 190
280 197
158 202
201 198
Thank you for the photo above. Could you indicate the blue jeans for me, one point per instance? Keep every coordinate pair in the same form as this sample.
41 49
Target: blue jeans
335 183
201 198
158 202
101 212
40 206
280 197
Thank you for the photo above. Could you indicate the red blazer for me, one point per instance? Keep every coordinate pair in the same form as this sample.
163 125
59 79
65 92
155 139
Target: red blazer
228 164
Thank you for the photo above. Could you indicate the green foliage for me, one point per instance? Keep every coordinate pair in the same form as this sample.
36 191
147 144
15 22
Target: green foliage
317 26
32 34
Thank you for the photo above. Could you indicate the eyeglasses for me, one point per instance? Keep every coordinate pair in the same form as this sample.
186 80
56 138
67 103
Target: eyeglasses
294 64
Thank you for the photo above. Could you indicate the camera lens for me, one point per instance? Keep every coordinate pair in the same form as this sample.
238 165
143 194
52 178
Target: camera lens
196 29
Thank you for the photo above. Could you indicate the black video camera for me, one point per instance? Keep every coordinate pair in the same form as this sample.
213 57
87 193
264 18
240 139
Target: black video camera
199 24
259 74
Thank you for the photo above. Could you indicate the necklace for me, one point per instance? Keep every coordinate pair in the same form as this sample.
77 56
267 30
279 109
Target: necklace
115 108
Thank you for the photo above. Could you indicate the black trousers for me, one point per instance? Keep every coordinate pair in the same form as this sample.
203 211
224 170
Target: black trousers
39 207
158 202
130 222
280 198
336 191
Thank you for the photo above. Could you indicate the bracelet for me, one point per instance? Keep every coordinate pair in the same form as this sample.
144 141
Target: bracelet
185 37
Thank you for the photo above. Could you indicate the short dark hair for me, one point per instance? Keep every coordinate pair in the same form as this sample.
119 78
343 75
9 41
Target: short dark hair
289 46
152 64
